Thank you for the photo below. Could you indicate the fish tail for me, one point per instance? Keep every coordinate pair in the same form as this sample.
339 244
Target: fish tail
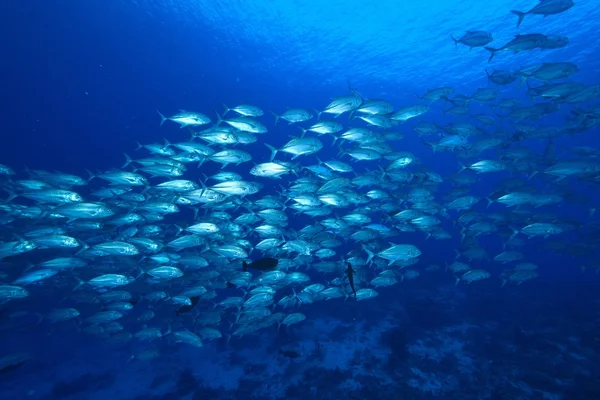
244 266
276 116
219 119
532 175
84 247
203 187
227 109
90 175
370 254
492 52
179 230
432 145
11 195
128 160
523 79
162 118
79 284
515 232
192 133
273 151
519 14
455 41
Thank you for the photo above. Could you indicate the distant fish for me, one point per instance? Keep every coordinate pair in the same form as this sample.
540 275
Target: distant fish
501 77
474 39
549 71
530 41
545 8
264 264
189 307
289 353
245 110
185 118
293 115
13 361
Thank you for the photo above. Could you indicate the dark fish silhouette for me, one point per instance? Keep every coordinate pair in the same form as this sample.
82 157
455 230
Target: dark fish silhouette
184 309
350 272
289 353
264 264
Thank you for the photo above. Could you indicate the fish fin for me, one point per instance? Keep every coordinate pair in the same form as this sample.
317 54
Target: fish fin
219 119
203 187
515 232
369 253
492 52
79 284
84 247
533 174
519 14
455 41
11 195
179 230
273 151
276 117
128 160
335 138
162 118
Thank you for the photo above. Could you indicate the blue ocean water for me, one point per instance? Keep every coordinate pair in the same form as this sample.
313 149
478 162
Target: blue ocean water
82 83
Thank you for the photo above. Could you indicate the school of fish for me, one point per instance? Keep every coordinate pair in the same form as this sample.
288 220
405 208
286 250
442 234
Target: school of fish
155 249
